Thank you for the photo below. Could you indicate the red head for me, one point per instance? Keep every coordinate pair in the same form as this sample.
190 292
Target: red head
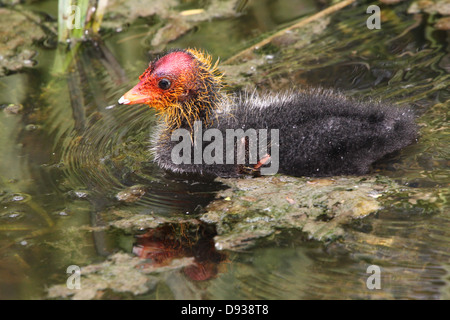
177 85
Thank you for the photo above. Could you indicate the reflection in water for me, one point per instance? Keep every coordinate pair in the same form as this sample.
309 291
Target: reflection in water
163 244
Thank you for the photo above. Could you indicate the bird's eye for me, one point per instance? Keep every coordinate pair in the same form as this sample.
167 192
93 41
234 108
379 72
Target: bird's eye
164 84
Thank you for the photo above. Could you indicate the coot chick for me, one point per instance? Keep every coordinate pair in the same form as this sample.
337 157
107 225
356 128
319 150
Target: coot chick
313 132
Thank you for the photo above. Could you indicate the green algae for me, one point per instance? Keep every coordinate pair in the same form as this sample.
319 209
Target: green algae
430 6
167 21
18 32
256 208
321 208
317 207
120 273
250 210
136 222
131 194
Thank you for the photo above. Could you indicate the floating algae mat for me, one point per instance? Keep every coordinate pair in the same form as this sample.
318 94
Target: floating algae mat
249 211
255 208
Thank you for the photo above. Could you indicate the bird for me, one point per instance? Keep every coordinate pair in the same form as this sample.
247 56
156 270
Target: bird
314 132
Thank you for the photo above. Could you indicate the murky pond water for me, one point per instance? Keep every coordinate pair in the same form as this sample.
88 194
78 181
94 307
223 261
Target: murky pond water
73 163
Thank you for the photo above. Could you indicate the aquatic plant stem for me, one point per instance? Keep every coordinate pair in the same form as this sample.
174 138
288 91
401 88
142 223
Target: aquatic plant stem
99 13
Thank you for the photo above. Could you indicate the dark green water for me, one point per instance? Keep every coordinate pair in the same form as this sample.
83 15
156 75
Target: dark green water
72 149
